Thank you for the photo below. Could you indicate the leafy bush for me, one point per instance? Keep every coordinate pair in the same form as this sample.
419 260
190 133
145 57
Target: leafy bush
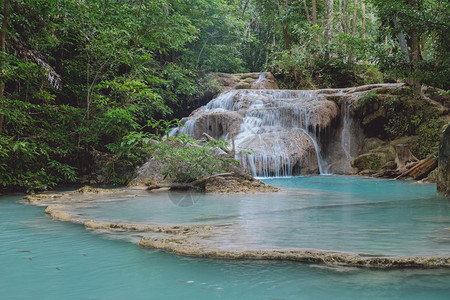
185 160
29 165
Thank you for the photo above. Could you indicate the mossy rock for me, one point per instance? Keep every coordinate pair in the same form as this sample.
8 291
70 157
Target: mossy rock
243 86
390 165
371 162
248 75
88 189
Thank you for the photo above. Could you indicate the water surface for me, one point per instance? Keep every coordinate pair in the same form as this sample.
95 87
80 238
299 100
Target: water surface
41 258
362 215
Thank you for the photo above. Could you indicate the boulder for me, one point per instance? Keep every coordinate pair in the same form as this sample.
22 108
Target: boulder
369 163
284 152
217 124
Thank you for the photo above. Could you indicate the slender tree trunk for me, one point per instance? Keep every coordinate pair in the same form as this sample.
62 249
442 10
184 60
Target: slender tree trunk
330 18
415 55
308 18
355 10
136 40
244 9
3 54
287 42
345 23
325 14
363 8
314 12
423 46
402 41
329 29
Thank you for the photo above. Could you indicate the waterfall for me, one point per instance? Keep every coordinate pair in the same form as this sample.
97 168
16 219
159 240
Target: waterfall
275 132
320 160
345 135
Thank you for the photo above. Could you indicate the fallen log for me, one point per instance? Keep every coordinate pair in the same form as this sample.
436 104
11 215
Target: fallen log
421 170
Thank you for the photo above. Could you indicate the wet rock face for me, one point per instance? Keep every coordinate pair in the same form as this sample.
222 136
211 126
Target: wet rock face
282 152
443 181
274 132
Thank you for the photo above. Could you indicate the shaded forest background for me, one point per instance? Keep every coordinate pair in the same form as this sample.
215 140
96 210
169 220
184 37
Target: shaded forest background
81 79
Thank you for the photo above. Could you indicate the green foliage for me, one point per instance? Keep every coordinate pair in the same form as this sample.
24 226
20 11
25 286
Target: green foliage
429 137
30 165
83 77
402 24
185 160
316 62
367 102
445 127
399 113
409 116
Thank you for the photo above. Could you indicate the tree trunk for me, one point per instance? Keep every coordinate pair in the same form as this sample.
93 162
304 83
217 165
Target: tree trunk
403 156
329 28
363 8
402 41
415 57
244 9
2 62
325 14
287 42
345 18
308 18
314 12
422 169
330 19
355 10
136 40
415 54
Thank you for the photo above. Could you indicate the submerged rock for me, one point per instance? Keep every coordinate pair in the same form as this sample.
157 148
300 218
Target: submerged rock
57 212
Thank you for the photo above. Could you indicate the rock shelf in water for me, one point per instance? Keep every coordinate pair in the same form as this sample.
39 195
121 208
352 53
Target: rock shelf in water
200 240
188 248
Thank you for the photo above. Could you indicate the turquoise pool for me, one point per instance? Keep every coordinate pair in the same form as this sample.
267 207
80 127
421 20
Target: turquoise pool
41 258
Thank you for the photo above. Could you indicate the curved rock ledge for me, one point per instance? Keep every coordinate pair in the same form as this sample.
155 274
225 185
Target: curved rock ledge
193 229
187 248
57 212
201 241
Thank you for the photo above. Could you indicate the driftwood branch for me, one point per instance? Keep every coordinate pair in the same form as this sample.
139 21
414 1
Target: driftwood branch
421 170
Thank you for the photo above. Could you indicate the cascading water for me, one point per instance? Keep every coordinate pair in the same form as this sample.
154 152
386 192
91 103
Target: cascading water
345 135
275 132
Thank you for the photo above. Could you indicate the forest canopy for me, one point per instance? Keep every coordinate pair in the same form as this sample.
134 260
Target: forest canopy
84 78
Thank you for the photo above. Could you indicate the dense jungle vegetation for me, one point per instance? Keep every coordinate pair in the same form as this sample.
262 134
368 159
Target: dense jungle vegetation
81 79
